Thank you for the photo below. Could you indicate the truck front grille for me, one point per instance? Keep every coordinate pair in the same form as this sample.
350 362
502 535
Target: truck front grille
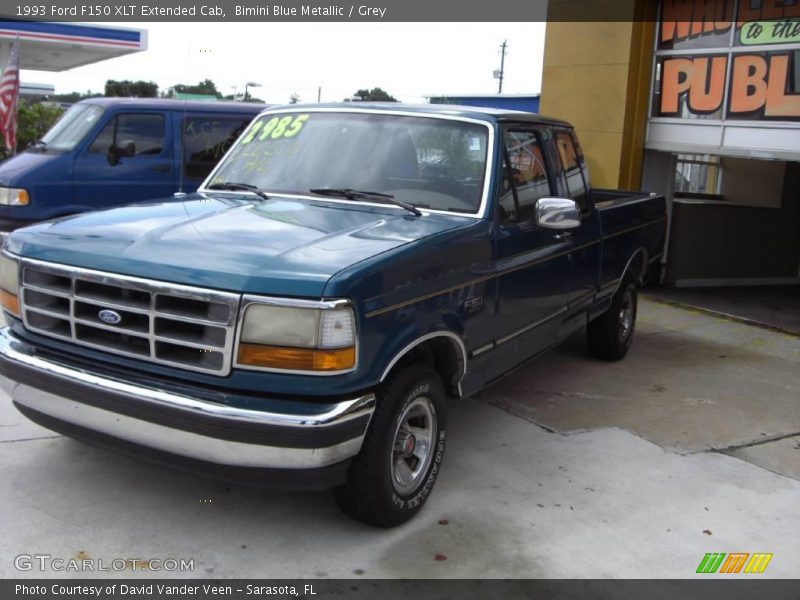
175 325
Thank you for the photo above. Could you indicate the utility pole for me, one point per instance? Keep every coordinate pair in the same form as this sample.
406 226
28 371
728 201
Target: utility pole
319 94
502 65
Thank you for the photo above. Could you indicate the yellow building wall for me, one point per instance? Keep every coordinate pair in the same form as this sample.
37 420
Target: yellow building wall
597 76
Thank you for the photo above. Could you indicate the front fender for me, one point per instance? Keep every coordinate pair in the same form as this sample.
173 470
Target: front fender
392 335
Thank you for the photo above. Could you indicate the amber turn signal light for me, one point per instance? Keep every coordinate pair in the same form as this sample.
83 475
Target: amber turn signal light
9 302
296 359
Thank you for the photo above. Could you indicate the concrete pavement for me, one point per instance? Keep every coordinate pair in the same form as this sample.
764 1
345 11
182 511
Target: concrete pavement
618 481
692 382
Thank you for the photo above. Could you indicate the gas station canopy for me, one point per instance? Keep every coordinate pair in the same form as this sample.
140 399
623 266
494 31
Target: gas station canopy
60 46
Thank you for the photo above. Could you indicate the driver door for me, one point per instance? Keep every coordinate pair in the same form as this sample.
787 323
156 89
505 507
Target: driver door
534 262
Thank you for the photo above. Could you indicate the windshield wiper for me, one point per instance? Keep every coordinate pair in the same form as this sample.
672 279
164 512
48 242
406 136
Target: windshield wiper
352 194
233 186
39 145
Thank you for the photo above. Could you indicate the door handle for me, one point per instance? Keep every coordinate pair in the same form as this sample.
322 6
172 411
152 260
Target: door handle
160 168
564 236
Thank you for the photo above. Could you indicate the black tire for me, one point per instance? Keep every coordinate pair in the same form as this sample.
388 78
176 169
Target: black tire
610 336
372 493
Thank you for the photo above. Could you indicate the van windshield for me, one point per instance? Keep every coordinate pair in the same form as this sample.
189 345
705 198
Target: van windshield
71 128
426 162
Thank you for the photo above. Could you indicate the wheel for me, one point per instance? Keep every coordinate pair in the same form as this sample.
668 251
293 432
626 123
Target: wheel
610 335
392 476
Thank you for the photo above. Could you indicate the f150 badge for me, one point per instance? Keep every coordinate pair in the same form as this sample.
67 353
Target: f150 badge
472 305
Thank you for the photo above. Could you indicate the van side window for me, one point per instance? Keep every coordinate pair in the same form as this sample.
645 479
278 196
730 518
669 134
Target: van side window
527 180
573 164
145 130
205 140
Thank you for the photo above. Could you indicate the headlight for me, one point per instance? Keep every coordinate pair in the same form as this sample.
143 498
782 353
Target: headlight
9 284
290 338
14 197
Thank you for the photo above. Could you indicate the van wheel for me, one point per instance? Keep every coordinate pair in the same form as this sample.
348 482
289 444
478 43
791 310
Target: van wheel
610 335
392 476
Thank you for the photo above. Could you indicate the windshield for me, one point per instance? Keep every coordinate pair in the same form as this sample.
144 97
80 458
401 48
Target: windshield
426 162
73 125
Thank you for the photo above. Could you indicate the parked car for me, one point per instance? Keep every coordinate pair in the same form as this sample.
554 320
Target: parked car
305 317
106 152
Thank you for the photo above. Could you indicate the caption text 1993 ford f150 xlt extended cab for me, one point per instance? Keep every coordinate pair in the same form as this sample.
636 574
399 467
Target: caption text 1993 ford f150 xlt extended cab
305 316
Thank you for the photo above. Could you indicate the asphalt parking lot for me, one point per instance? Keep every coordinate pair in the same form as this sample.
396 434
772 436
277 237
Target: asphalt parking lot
567 468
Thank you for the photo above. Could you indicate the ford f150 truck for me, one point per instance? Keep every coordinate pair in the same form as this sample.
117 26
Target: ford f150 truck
304 318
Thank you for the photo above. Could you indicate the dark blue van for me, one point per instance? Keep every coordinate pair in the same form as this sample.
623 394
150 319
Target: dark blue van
107 152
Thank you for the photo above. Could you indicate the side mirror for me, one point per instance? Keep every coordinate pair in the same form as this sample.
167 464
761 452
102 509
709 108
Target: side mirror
124 148
557 213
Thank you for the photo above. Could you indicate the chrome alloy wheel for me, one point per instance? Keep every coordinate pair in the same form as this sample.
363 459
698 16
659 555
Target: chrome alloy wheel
413 447
626 316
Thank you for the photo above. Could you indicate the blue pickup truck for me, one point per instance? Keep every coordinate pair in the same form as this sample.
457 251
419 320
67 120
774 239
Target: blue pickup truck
106 152
304 319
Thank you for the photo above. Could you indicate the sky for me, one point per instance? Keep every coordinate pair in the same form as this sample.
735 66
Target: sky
409 60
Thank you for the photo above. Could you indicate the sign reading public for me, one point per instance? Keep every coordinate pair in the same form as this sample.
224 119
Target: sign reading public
732 59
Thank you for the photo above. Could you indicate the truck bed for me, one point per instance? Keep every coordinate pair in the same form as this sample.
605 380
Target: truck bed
629 220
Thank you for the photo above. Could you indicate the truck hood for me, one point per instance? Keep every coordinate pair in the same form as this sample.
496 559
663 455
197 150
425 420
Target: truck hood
280 246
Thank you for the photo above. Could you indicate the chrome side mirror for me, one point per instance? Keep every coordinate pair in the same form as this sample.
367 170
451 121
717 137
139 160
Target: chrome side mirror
557 213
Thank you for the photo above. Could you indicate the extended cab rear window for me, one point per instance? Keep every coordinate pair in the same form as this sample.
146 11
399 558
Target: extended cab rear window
574 169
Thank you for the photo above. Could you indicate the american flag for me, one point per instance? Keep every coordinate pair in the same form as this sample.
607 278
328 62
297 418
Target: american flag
9 94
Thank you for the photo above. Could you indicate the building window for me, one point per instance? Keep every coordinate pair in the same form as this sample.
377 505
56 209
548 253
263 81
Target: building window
698 175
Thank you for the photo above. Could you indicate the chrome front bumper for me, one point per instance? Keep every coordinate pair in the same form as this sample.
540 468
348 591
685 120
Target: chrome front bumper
312 437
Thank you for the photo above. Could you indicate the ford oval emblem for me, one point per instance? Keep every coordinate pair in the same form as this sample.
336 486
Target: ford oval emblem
111 317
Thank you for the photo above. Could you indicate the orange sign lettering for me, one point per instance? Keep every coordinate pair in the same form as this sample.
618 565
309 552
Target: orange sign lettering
758 83
766 10
701 80
684 19
681 19
759 86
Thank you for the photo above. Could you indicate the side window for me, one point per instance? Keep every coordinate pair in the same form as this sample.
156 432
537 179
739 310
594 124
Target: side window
573 165
205 140
145 130
525 179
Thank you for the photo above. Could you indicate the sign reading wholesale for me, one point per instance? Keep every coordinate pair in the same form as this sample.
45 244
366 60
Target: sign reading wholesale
731 59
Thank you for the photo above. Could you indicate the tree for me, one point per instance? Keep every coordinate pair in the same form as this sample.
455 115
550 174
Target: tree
205 87
73 97
375 95
131 89
33 121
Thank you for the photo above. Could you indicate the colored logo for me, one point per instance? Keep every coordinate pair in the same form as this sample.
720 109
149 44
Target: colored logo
735 562
111 317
